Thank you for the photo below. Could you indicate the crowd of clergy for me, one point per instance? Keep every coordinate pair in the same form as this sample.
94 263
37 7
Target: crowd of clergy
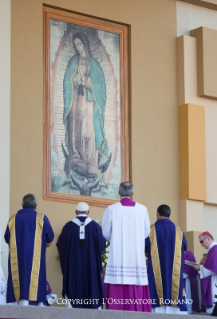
149 267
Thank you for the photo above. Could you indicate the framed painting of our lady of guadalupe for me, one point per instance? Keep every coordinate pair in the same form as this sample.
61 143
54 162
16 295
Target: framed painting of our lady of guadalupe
86 138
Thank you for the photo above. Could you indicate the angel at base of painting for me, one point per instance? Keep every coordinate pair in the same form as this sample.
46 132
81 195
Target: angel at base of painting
84 112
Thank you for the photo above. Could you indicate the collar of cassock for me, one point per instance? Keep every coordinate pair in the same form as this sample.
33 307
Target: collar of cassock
82 224
82 215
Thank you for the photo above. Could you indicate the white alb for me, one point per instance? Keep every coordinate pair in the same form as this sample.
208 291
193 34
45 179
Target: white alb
126 228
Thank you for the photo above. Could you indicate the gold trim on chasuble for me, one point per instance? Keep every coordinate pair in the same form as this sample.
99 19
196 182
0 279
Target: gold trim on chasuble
33 290
156 264
13 258
176 265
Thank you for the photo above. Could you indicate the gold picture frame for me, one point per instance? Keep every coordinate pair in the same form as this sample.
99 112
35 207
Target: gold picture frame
86 131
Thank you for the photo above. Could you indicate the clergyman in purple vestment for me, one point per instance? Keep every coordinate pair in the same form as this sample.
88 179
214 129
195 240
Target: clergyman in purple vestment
28 233
165 249
191 283
208 272
80 246
126 224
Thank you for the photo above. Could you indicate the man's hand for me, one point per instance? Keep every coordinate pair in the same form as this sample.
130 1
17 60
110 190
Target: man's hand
196 267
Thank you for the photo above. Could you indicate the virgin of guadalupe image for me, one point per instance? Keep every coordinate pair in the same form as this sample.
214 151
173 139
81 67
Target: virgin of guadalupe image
84 95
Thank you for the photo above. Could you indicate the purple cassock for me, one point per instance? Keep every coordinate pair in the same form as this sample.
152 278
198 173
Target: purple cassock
206 283
104 287
193 277
48 291
126 201
81 263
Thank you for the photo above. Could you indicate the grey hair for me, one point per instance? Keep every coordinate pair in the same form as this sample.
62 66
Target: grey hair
126 189
29 201
204 235
84 212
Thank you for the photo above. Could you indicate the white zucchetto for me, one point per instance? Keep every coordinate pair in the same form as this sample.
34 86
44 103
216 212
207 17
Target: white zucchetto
82 207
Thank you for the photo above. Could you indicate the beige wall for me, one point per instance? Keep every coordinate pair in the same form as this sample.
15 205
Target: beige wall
188 92
192 152
210 213
189 95
191 17
191 210
210 4
154 111
206 61
194 245
5 30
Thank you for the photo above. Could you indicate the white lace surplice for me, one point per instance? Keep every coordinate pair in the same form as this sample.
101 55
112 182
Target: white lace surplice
126 227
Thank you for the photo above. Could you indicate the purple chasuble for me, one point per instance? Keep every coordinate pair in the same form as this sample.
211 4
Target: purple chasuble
28 227
81 268
206 289
189 270
192 274
48 292
126 201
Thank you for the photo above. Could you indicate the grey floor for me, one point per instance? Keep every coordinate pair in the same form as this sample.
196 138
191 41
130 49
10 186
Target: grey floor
32 312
